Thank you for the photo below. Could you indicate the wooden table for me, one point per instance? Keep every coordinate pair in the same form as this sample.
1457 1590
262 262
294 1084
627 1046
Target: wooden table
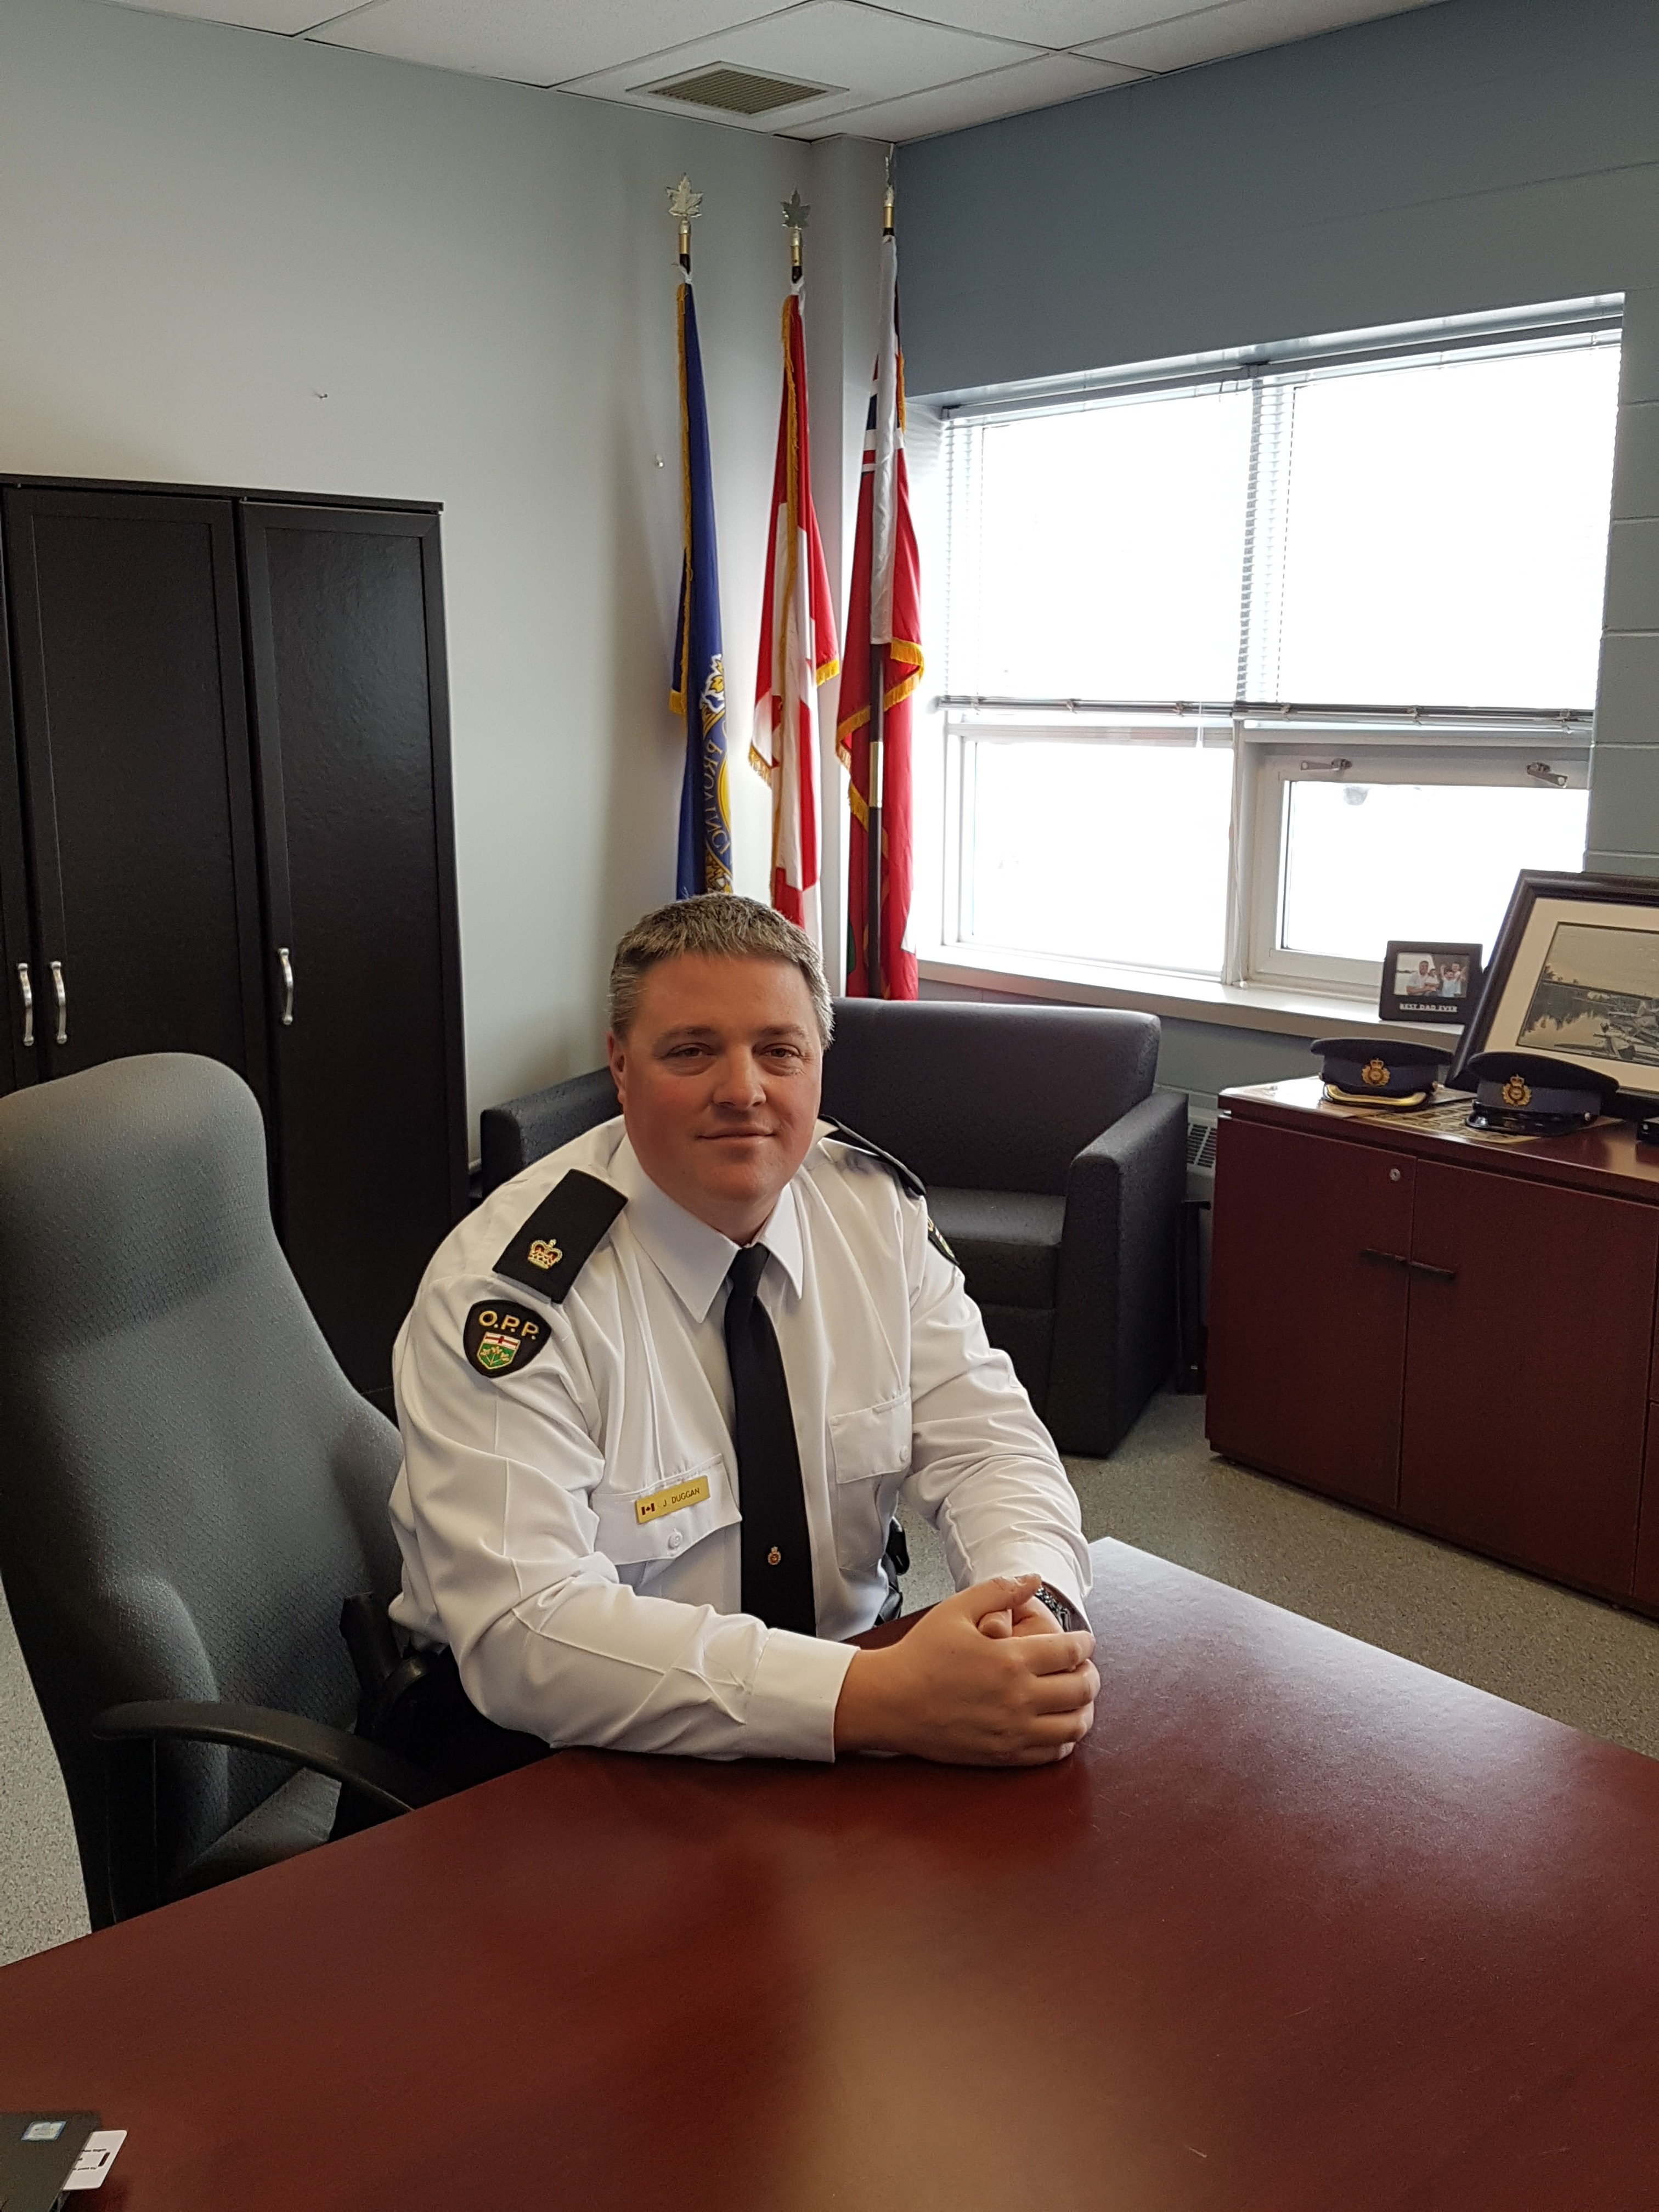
1301 1926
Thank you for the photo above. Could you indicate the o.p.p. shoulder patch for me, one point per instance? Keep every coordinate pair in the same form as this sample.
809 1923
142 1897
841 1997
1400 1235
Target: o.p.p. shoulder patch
553 1247
500 1338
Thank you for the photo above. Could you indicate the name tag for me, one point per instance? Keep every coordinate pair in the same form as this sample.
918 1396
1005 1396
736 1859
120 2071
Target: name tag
674 1499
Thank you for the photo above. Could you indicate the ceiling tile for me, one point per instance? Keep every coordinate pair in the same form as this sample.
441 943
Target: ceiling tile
285 16
1041 83
1042 23
535 41
867 53
1237 26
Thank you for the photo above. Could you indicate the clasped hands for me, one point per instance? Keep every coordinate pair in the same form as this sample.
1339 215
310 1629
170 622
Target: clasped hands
986 1678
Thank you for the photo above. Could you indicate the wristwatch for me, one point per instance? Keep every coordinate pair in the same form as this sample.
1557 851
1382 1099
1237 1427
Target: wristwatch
1064 1611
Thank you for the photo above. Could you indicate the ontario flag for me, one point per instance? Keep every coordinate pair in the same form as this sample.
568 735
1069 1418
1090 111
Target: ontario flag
797 650
884 647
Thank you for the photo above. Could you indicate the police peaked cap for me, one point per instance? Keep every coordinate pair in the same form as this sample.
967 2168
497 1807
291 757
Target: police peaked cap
1534 1093
1379 1070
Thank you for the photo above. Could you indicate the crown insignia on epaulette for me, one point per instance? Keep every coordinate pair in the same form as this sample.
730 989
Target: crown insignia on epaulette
553 1247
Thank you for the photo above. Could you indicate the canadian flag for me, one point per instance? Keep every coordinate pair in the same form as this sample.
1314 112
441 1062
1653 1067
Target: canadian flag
797 651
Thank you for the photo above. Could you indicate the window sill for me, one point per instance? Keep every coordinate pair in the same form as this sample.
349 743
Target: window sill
1181 998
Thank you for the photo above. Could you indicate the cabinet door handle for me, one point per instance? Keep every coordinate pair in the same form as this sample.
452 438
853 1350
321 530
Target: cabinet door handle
1386 1259
27 990
1439 1274
59 985
287 967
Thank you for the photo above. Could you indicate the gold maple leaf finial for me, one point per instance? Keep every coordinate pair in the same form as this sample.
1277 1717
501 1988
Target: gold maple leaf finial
685 206
795 212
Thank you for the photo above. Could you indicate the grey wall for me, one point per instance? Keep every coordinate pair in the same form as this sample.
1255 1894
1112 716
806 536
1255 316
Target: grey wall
202 229
1476 155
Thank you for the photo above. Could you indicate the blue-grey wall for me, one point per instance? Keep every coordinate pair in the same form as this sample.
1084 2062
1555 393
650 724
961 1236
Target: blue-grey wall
1475 154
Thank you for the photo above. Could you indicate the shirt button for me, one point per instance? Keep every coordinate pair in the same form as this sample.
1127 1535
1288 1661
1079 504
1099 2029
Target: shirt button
675 1539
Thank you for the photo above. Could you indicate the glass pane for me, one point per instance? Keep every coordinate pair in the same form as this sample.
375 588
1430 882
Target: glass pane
1435 861
1108 552
1447 532
1100 852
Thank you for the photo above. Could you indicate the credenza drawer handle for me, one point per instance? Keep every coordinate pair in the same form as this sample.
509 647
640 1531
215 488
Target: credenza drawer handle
1417 1266
27 989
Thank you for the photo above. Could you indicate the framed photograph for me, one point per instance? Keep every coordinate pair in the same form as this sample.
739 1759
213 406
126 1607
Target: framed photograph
1429 983
1575 974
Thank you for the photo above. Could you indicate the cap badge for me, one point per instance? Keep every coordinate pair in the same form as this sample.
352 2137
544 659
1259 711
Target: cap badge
543 1254
1517 1091
1375 1073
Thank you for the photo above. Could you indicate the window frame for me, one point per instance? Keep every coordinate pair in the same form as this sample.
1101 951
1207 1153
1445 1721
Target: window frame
1274 767
1397 744
964 731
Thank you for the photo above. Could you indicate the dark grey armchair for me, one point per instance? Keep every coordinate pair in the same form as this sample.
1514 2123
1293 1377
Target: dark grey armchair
189 1486
1054 1168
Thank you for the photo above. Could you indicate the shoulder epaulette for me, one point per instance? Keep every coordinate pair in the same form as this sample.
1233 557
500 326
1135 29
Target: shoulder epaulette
907 1179
553 1247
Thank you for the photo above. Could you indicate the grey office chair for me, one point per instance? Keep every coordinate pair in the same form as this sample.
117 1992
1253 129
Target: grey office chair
189 1486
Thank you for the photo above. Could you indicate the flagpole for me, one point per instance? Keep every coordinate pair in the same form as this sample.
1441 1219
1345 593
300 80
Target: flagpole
878 717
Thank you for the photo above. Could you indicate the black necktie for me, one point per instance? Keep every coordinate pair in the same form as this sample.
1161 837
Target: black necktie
777 1551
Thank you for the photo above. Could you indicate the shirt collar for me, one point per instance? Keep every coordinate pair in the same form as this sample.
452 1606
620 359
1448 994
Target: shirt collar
694 1258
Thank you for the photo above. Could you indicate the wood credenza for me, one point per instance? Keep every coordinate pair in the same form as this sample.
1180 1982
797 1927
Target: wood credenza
1453 1331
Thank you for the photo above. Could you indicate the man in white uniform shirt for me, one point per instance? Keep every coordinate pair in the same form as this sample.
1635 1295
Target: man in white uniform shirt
661 1392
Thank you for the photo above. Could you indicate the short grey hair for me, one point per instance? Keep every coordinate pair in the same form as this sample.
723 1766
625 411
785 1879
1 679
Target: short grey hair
725 927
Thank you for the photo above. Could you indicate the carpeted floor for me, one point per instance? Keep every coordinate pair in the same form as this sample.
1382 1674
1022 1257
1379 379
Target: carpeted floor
1564 1656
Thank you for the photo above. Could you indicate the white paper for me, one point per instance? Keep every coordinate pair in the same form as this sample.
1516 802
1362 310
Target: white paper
97 2156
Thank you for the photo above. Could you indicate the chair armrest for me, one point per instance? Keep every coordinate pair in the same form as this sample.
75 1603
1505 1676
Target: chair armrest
520 1131
388 1782
1114 1317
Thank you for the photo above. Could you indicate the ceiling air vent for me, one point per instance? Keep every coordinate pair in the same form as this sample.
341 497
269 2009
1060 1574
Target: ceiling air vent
735 91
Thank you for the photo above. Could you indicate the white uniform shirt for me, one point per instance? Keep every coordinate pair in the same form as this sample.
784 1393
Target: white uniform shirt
574 1619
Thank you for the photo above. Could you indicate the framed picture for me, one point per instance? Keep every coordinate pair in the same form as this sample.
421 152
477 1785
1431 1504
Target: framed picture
1575 974
1429 983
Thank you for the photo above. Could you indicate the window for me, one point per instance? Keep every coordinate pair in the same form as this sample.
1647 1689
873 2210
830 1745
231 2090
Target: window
1254 662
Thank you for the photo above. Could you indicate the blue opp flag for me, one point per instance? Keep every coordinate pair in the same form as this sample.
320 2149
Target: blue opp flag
699 686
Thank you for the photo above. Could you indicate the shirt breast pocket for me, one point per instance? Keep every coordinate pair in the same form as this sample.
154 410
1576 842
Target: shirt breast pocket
642 1529
870 1457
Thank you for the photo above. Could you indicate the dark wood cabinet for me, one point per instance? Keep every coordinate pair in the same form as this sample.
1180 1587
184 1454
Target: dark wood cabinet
136 781
1304 1375
1526 1358
1456 1334
345 623
228 831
